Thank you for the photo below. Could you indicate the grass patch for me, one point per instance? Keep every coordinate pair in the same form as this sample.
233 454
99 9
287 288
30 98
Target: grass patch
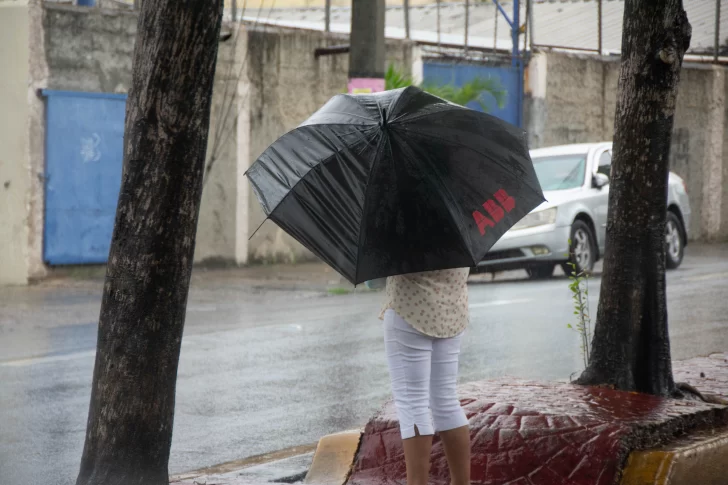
339 291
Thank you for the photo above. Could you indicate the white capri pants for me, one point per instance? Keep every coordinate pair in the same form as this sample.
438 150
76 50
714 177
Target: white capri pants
424 372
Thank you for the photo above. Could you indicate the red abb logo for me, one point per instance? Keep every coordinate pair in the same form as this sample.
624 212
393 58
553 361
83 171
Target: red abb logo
494 210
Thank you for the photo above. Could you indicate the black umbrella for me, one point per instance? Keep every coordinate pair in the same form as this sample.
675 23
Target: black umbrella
397 182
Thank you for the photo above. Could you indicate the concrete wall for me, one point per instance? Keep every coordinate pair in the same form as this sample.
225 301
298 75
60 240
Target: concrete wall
723 232
38 79
286 84
572 99
92 50
89 50
14 175
217 230
267 82
72 49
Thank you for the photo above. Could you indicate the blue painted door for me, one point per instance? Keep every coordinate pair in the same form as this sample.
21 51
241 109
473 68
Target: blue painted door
442 73
84 152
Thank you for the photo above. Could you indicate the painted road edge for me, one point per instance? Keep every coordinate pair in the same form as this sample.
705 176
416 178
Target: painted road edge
700 458
245 462
334 458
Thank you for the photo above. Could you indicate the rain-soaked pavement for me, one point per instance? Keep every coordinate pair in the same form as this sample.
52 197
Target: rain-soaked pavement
264 369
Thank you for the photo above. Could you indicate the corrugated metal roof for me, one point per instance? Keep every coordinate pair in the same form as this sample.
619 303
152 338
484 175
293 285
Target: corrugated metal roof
567 23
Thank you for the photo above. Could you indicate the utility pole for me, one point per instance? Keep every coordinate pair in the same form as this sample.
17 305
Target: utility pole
366 52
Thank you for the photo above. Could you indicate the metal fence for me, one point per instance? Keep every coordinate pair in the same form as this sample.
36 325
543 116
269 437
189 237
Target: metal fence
461 28
587 25
596 26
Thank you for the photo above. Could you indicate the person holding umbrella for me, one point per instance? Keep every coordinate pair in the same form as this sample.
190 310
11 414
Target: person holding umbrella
425 315
406 186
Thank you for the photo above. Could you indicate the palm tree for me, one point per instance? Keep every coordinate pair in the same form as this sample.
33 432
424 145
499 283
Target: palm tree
474 90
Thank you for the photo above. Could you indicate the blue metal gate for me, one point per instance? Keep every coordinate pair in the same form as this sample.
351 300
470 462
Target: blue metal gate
84 152
442 73
510 73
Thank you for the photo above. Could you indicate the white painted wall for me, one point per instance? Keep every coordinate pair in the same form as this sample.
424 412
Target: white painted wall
14 174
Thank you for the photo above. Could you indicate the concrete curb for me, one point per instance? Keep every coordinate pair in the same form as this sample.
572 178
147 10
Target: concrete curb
698 459
701 459
334 458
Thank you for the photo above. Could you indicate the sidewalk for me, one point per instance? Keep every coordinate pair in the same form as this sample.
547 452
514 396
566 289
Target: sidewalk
304 276
310 276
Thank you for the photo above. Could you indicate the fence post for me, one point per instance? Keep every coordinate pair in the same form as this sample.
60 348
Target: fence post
328 16
525 29
495 29
467 24
514 32
717 31
438 24
530 25
406 19
599 26
517 62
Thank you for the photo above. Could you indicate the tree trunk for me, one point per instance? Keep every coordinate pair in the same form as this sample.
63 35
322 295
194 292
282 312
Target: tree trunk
631 346
129 429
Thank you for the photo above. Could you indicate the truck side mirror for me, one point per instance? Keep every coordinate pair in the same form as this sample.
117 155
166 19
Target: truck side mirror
599 180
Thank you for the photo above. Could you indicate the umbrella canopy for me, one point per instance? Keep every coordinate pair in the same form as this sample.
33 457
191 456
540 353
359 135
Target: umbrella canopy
397 182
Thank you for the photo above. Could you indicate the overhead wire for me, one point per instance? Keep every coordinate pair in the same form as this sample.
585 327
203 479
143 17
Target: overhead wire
226 133
222 133
227 76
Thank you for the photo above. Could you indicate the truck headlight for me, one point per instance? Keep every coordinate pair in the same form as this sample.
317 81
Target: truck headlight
534 219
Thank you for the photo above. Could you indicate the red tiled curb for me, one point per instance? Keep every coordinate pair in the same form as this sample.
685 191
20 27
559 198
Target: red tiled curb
530 433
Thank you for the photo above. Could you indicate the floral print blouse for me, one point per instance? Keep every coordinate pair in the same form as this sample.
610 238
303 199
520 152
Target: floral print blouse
433 302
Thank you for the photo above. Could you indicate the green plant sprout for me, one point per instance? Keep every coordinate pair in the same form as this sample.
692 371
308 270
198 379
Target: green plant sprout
579 287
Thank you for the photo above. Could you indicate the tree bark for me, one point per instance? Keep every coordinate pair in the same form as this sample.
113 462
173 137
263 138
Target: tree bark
631 347
129 429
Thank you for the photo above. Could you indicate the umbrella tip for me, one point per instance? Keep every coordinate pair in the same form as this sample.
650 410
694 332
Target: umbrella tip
383 121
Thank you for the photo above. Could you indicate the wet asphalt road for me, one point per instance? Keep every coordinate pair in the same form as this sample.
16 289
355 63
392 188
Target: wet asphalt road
263 370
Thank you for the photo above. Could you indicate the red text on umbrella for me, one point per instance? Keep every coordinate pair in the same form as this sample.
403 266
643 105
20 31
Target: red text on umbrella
494 210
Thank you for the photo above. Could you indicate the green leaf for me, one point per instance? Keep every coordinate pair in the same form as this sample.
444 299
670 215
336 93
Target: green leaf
394 79
475 90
